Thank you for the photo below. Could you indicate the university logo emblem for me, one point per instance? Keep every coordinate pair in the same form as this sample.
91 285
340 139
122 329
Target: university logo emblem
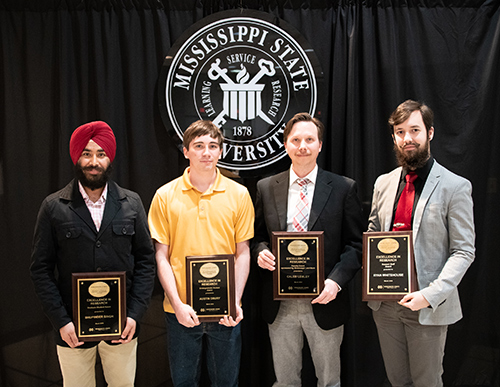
246 71
242 101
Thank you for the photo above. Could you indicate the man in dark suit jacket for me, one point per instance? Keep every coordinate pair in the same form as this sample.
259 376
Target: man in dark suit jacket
336 210
92 225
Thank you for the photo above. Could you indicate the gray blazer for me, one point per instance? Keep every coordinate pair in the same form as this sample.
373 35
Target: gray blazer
443 237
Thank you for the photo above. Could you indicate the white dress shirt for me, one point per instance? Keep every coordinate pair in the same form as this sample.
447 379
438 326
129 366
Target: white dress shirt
293 194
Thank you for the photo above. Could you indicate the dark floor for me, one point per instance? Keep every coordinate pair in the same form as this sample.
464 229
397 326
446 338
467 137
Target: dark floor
23 367
33 362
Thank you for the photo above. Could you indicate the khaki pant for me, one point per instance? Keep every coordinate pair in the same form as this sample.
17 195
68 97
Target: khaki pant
295 318
413 353
118 364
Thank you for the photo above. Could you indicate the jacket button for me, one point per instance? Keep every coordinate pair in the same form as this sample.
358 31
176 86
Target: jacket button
68 234
124 230
98 244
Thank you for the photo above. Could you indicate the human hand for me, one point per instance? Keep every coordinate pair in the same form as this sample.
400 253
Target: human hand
328 294
266 260
414 301
128 332
68 334
186 315
228 321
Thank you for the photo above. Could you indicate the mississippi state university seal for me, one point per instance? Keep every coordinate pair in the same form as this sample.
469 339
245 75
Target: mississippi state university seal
246 71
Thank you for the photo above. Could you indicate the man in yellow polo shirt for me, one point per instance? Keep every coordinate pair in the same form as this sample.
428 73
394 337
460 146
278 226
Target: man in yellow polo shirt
201 213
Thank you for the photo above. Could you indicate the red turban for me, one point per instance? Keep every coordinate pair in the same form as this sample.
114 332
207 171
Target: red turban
99 132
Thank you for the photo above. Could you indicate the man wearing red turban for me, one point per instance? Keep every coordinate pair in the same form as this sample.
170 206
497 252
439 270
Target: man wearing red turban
93 226
97 131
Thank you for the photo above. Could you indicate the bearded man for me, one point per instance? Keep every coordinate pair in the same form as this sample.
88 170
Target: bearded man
412 331
92 225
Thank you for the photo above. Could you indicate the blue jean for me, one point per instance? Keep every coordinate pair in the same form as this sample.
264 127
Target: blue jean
185 349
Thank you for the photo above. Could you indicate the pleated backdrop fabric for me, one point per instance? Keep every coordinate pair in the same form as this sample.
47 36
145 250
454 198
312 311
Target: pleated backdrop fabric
63 63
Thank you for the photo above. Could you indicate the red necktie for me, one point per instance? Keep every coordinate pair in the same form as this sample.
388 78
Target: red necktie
402 219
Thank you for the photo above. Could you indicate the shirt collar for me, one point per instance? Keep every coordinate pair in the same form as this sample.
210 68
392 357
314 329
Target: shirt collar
422 172
312 176
219 184
102 198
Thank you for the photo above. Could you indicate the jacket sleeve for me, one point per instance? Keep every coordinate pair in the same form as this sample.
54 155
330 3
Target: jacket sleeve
260 240
144 266
461 236
43 266
374 219
353 225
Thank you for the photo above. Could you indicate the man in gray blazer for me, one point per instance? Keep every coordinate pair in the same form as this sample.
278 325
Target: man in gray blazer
335 209
412 331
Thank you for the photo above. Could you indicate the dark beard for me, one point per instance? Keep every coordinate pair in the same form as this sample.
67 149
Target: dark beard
94 182
415 159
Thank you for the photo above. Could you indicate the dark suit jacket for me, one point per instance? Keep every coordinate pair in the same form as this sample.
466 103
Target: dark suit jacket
66 241
337 211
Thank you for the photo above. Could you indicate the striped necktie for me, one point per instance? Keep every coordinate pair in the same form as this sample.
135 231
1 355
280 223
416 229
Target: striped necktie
301 217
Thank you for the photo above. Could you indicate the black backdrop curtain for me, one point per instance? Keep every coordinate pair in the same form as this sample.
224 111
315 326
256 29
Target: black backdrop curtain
63 63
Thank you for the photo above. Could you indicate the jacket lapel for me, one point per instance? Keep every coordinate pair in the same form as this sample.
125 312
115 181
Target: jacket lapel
321 194
429 187
390 193
113 206
77 204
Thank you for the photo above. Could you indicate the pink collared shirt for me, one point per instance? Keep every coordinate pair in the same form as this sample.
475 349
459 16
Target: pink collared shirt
96 209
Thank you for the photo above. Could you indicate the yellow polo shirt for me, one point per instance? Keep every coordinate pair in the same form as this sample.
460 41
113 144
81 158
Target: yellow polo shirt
195 223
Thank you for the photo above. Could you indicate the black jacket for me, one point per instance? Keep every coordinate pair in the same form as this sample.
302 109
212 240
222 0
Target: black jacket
66 241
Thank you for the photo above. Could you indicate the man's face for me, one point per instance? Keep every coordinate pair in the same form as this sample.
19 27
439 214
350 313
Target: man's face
303 145
412 142
203 154
93 167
